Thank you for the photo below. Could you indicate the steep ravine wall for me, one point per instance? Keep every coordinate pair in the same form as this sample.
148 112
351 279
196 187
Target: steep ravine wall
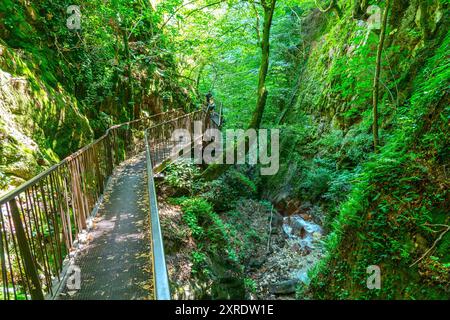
384 209
39 123
61 87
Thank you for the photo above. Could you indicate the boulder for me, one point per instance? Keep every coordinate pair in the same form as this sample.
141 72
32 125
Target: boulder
284 287
277 221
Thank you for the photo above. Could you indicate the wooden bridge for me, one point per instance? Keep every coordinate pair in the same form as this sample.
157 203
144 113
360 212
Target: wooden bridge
77 230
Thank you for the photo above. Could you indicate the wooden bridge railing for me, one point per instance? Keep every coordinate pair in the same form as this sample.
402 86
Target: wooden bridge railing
41 220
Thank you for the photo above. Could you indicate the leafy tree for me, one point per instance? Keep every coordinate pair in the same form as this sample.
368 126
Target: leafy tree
269 9
376 83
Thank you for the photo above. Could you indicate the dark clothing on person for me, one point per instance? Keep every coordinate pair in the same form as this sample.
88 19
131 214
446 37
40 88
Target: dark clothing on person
208 98
211 106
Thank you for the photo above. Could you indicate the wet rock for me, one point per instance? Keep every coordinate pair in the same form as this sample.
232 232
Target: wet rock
257 263
292 206
290 260
284 287
306 216
304 232
277 222
286 205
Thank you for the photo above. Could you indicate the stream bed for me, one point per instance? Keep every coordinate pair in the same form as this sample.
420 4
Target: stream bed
290 260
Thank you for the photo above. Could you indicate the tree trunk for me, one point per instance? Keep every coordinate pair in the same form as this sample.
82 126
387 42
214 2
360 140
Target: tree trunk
129 91
376 81
199 77
215 170
264 67
424 20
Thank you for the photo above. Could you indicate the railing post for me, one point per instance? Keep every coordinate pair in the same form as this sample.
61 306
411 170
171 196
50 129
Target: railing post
30 267
2 261
220 114
110 161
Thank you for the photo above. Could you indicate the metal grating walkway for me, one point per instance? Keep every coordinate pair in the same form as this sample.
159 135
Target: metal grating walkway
116 263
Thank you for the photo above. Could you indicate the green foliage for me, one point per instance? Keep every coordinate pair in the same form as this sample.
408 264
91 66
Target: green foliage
192 221
181 176
204 223
316 180
131 59
219 49
4 180
215 254
199 262
398 195
224 192
250 285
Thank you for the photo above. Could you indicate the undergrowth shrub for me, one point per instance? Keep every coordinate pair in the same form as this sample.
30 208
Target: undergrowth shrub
224 192
181 177
4 180
215 257
396 215
315 181
204 223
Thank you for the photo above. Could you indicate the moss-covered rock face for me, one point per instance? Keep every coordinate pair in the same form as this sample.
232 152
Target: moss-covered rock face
39 123
60 86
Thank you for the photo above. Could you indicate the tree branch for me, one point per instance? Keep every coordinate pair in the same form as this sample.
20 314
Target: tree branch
258 33
176 11
434 244
325 10
333 5
204 7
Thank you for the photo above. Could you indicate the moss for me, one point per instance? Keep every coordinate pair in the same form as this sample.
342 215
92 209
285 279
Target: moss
385 220
47 106
39 111
377 205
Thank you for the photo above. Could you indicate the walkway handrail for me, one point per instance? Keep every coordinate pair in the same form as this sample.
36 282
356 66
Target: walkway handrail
40 220
215 118
160 135
160 277
32 181
158 146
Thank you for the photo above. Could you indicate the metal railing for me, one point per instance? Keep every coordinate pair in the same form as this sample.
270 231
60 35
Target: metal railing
215 117
41 220
161 140
160 277
160 143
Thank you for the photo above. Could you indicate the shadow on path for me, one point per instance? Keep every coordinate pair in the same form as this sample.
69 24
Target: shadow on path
115 263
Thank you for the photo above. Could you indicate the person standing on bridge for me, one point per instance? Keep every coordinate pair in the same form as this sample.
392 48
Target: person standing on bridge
210 105
208 97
